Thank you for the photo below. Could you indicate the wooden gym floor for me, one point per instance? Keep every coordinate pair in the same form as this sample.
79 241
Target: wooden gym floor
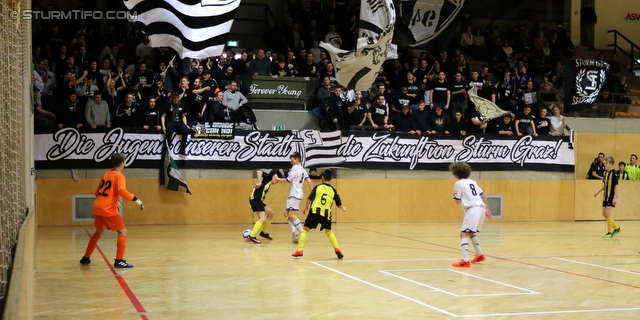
554 270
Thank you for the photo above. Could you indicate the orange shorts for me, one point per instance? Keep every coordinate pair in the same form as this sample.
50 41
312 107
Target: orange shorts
114 223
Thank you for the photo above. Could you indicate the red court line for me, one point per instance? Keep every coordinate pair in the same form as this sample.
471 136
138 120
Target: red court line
569 272
123 284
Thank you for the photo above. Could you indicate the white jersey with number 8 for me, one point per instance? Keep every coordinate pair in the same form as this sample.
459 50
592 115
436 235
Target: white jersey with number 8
296 177
469 193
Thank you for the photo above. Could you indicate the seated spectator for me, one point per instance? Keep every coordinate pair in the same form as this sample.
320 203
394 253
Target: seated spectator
42 118
420 119
225 78
458 125
557 121
332 37
402 121
152 116
524 123
128 112
529 96
478 123
69 113
439 122
596 171
97 112
632 168
335 119
622 174
236 102
260 66
614 67
281 70
217 110
379 114
356 114
542 123
622 88
505 127
309 68
602 105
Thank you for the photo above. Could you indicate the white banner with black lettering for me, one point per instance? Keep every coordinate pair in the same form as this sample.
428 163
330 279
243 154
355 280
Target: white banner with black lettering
69 148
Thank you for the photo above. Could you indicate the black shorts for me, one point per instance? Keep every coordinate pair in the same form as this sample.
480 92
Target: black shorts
257 205
607 204
314 219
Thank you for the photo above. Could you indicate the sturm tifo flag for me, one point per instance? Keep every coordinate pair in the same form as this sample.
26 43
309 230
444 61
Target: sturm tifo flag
428 24
194 28
170 174
583 81
357 69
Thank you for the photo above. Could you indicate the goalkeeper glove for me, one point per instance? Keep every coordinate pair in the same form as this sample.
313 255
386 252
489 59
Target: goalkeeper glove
139 202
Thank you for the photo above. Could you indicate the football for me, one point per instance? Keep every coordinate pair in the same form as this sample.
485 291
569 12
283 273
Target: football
246 233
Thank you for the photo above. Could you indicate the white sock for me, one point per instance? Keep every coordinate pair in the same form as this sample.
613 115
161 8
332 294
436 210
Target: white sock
476 245
297 225
464 246
293 227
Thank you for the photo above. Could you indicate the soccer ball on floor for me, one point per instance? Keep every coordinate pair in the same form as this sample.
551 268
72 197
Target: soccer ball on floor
246 233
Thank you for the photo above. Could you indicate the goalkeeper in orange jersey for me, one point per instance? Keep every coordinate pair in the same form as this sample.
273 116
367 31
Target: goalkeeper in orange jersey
106 215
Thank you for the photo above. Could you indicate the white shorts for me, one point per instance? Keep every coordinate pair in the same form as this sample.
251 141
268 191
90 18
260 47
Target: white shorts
293 204
473 219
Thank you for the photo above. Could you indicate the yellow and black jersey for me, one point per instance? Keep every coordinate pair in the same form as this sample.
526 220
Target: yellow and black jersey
610 181
261 192
322 197
623 175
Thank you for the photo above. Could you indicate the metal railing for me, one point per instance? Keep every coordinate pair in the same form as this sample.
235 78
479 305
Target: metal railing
631 54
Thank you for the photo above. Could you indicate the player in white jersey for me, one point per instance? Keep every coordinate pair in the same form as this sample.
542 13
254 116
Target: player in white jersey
470 196
297 176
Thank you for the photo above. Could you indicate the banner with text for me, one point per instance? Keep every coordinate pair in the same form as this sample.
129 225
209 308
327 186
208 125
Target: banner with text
69 148
269 89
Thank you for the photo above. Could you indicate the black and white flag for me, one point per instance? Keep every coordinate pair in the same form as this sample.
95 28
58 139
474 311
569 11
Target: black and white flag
194 28
583 81
428 24
357 69
322 148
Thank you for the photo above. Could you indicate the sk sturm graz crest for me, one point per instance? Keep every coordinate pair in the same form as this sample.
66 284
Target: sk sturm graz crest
583 81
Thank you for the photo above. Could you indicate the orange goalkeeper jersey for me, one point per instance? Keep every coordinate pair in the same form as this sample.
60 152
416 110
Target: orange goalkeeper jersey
112 186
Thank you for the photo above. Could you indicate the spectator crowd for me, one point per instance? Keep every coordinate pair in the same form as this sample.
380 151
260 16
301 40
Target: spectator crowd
104 73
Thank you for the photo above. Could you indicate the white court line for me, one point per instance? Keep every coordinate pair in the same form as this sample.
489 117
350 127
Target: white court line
494 281
388 291
421 284
396 260
400 270
545 312
598 266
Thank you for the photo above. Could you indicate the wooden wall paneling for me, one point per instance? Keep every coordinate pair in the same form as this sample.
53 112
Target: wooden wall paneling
552 200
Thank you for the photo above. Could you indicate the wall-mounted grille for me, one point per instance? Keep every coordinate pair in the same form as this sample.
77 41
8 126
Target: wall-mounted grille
82 204
495 205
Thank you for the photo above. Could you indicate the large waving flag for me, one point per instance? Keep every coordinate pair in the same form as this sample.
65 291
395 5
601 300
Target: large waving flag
169 172
357 69
194 28
428 24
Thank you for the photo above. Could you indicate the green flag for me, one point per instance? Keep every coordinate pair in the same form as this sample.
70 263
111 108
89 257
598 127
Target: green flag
170 174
